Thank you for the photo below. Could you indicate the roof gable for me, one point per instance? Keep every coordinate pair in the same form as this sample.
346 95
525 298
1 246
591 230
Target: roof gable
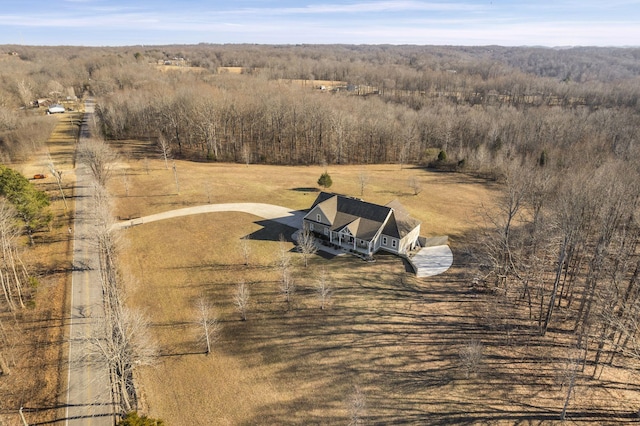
400 223
362 219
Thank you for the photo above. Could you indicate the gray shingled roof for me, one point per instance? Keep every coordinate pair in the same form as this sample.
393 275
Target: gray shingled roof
403 223
364 219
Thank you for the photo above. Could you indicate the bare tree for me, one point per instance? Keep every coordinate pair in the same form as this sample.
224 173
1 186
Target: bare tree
125 182
13 274
357 405
569 372
57 174
208 324
499 242
241 299
175 176
25 92
363 180
323 289
471 357
284 257
207 188
122 339
306 244
165 149
100 158
287 287
246 154
245 249
4 365
415 185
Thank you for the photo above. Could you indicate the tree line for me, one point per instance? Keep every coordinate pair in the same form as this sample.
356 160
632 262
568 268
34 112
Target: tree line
560 252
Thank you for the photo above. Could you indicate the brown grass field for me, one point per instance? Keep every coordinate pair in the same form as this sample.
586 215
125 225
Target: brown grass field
393 336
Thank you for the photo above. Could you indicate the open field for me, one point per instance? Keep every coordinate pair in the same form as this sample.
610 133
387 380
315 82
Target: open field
37 333
449 204
396 338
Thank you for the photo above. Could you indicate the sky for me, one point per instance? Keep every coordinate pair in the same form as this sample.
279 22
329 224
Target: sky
457 22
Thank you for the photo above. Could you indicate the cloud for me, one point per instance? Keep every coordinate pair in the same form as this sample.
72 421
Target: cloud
373 22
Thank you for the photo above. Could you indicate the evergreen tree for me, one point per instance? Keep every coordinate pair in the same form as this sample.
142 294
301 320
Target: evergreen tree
325 180
30 203
133 419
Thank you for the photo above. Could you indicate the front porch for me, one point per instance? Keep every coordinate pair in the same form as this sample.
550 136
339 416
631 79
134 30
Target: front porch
346 243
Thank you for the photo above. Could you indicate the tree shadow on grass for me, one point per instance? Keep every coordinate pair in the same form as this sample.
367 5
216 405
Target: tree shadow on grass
306 189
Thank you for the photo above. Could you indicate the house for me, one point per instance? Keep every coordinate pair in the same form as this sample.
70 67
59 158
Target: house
361 227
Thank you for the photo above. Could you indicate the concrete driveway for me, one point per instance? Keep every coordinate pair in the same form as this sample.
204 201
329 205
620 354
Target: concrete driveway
430 261
283 215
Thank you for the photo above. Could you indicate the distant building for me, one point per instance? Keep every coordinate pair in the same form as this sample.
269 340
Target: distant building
55 109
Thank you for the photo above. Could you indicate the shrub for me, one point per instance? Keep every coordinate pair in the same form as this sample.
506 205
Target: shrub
325 180
132 419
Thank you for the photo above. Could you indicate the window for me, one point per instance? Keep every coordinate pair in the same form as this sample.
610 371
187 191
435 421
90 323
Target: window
394 243
326 231
384 241
318 218
311 227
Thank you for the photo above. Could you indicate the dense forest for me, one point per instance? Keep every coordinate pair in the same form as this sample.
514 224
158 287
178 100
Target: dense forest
480 105
557 128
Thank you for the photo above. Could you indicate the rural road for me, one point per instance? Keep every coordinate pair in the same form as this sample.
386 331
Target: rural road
89 400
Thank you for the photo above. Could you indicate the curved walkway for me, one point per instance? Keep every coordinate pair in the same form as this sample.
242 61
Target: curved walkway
278 214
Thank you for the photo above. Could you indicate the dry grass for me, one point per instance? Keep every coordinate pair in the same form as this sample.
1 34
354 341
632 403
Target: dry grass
231 70
38 355
397 338
449 204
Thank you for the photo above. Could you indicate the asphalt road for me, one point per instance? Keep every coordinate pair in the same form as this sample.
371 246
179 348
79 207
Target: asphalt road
89 401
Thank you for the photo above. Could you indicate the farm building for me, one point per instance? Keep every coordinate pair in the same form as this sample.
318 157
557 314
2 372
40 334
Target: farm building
362 227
